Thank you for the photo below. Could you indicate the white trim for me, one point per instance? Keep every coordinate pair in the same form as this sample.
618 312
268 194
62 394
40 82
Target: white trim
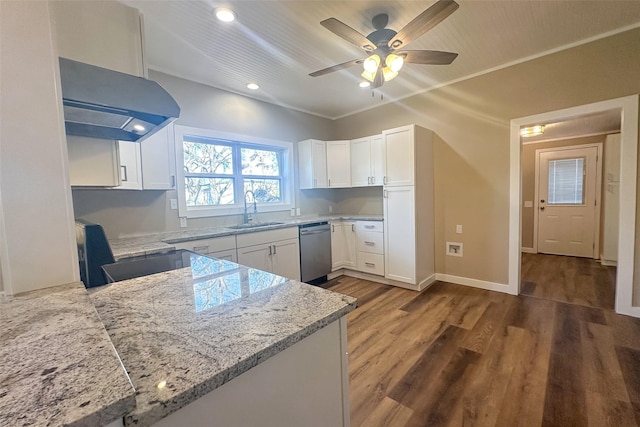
628 106
381 279
528 250
607 263
598 192
474 283
288 173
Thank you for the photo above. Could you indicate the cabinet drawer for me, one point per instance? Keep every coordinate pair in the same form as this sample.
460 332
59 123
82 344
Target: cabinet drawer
371 263
207 246
370 241
376 226
261 237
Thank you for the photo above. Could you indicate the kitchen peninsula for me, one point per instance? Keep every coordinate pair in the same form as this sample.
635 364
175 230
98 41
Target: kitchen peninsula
214 342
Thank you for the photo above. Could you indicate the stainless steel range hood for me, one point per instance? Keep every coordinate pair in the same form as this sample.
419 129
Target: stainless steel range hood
107 104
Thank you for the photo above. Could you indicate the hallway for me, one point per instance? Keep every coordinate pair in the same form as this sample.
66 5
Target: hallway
581 281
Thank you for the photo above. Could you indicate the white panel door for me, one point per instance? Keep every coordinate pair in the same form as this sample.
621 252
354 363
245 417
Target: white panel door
399 156
360 162
400 233
156 152
285 258
377 159
130 166
256 257
339 164
567 201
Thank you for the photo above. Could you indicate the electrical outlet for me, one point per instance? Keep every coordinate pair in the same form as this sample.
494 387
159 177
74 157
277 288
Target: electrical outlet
293 211
174 204
297 211
459 229
183 221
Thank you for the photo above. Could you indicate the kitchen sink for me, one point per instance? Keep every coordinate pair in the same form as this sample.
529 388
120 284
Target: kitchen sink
253 225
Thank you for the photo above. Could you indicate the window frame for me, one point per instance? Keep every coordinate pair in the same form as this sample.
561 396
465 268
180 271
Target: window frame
236 141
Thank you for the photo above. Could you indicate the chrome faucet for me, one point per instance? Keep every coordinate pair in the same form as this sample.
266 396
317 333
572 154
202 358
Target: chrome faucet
247 218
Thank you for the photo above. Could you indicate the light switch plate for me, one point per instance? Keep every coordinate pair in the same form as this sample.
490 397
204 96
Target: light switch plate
293 211
459 229
183 221
174 204
297 211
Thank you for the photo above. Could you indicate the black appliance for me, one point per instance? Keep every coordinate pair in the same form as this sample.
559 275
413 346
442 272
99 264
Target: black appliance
98 266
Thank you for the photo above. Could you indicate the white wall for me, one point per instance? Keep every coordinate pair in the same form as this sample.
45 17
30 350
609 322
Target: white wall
37 232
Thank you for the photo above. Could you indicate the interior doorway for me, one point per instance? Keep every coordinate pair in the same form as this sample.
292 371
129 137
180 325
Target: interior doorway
627 107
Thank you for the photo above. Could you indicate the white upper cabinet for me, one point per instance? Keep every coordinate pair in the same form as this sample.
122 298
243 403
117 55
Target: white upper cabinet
367 161
338 164
148 165
312 164
399 156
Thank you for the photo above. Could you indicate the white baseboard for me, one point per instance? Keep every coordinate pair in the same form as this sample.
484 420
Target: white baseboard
528 250
608 263
474 283
380 279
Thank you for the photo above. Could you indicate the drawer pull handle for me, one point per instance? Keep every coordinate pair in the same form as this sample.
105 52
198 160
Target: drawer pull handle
204 249
369 226
274 249
369 264
369 243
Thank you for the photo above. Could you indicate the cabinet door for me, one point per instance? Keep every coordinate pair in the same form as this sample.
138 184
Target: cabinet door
350 245
337 245
399 156
312 164
93 162
360 162
130 167
377 159
399 233
339 164
285 259
258 256
229 255
156 153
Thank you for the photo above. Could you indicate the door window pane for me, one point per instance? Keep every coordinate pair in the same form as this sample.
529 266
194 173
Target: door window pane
566 182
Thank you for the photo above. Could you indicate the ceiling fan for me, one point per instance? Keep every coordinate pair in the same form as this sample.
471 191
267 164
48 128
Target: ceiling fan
385 47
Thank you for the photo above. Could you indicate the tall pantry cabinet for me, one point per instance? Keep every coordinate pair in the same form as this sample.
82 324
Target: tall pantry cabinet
408 194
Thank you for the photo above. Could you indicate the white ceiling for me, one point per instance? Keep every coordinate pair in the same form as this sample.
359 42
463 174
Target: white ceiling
278 43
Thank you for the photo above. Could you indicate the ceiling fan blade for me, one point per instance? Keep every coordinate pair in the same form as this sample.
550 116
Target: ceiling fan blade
429 57
336 67
423 23
341 29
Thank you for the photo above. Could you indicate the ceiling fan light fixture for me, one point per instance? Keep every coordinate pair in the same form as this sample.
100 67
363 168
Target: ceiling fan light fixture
532 131
225 15
394 62
253 86
389 74
371 64
368 75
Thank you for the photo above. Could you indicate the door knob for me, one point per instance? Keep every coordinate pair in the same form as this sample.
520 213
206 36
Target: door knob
541 208
541 200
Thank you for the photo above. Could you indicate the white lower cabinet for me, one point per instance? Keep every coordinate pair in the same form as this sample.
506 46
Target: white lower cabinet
358 245
343 245
217 247
275 251
370 247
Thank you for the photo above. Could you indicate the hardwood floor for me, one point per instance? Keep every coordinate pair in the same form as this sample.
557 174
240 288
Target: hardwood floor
460 356
574 280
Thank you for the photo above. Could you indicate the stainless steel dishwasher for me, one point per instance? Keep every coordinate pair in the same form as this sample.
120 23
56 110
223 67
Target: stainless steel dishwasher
315 252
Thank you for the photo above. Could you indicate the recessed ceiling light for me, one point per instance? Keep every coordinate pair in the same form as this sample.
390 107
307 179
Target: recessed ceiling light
225 15
138 127
364 84
253 86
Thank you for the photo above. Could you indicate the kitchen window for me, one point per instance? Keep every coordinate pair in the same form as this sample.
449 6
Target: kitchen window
217 171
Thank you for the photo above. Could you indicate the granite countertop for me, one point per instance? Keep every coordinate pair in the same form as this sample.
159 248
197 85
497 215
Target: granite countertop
183 333
127 247
57 364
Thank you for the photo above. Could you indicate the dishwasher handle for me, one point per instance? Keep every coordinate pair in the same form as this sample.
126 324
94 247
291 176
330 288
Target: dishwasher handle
307 231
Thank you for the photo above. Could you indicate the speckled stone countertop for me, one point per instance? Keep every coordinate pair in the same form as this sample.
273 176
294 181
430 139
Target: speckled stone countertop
162 242
57 364
183 333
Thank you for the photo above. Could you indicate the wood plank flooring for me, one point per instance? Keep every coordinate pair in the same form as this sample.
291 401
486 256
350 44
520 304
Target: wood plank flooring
574 280
458 356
